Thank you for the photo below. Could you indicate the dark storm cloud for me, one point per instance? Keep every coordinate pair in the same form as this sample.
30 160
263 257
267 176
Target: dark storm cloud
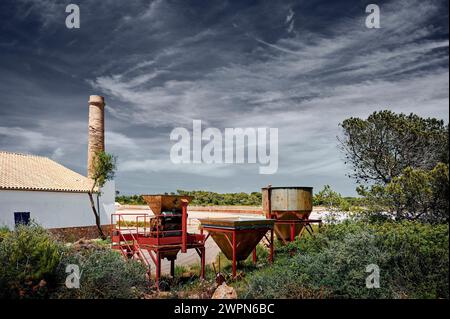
300 66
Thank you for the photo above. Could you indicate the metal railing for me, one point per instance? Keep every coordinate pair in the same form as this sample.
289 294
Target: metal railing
135 247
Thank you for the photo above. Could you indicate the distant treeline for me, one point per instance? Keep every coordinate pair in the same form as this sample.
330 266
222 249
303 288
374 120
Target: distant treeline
130 200
204 198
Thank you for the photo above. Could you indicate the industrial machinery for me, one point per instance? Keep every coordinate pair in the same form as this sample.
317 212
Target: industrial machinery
290 207
238 237
154 237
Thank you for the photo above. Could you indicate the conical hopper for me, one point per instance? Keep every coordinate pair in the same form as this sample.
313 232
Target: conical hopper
248 232
287 203
165 203
283 231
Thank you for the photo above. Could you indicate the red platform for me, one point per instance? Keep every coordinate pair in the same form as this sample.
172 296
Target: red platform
139 241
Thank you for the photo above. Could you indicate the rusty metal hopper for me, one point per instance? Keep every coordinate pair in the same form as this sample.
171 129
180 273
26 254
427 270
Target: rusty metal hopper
247 231
287 203
165 203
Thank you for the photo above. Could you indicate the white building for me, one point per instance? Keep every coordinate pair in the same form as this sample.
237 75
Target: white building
39 189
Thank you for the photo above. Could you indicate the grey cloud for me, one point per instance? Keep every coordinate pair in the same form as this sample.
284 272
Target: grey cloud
230 65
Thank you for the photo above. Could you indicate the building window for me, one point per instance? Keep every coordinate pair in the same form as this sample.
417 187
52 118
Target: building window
21 218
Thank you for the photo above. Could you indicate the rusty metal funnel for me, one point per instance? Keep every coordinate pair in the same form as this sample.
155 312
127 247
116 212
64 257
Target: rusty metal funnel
284 231
165 203
247 231
285 204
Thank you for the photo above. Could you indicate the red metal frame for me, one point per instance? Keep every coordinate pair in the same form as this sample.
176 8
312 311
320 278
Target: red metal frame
293 223
233 243
184 204
135 240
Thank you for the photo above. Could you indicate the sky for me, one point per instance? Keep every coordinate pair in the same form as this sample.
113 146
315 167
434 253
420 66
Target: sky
299 66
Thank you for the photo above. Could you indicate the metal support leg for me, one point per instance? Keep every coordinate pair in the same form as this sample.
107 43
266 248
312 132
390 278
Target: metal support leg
271 247
203 261
234 254
292 231
158 268
254 256
172 268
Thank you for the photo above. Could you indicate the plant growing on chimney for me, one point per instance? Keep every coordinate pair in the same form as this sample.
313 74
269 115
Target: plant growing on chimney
104 170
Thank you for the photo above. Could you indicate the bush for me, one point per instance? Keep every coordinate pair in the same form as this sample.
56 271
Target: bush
4 231
33 265
412 257
105 274
28 259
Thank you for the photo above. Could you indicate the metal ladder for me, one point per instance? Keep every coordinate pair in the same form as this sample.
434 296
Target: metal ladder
127 249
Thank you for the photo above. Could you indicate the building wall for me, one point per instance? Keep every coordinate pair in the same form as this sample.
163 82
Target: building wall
56 209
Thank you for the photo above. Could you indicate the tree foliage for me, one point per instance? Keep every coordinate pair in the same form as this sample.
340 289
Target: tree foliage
332 200
404 160
204 198
385 144
130 200
104 170
326 197
416 194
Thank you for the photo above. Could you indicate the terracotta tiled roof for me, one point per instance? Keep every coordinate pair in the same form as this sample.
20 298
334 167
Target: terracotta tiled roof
36 173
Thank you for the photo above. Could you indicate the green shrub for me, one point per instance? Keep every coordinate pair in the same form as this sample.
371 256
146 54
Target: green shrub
105 274
4 231
33 265
28 259
278 281
412 257
419 262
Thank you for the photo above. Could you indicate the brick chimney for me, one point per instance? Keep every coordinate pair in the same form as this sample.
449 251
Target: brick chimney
96 141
